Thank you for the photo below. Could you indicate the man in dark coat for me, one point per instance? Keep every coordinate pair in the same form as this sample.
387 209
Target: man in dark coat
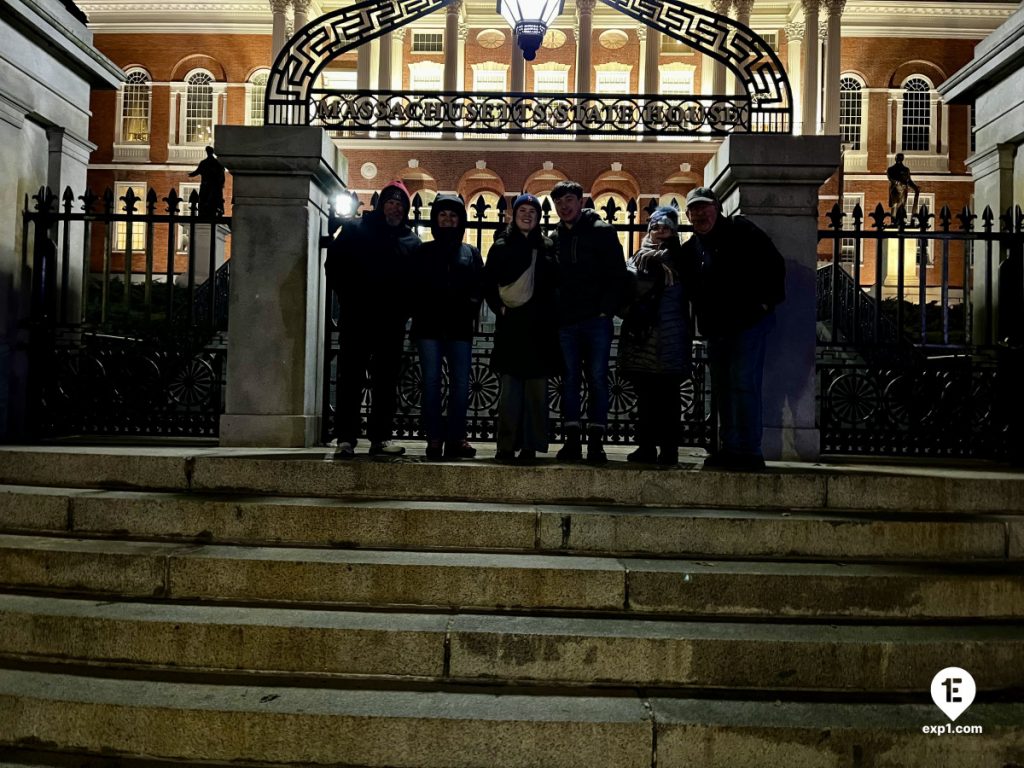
740 277
592 273
369 266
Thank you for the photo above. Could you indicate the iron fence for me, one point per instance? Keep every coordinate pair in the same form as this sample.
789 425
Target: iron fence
127 327
915 358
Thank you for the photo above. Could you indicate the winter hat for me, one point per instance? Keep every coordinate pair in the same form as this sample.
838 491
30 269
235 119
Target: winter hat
395 190
664 215
526 199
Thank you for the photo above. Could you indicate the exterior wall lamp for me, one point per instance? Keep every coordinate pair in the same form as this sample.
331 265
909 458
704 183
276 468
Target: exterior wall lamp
529 20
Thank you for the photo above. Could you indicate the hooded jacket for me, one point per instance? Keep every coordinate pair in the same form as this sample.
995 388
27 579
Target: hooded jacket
368 265
591 267
448 279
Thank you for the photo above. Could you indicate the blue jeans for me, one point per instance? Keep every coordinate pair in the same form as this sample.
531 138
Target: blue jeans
737 374
459 355
586 346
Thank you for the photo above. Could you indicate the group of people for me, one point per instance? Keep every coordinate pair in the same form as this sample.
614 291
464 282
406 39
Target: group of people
554 300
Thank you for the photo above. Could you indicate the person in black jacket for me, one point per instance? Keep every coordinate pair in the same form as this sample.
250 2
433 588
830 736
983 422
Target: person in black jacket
654 342
368 266
521 280
592 273
448 289
740 277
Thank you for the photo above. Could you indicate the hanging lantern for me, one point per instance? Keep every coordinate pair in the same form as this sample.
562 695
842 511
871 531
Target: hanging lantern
530 20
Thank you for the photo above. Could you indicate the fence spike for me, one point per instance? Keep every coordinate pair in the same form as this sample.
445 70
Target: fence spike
858 216
923 217
173 201
945 216
611 210
193 202
108 200
588 202
417 203
1019 219
373 199
69 198
480 207
988 217
129 200
1006 220
899 218
966 219
631 206
652 206
545 207
878 216
151 201
836 216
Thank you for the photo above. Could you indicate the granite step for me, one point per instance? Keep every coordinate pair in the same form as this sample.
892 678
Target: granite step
517 582
309 472
492 526
530 650
100 717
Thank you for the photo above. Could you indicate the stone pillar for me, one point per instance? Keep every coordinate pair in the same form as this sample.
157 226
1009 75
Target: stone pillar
718 70
451 45
584 39
833 64
300 9
384 63
650 41
283 178
363 67
463 37
809 73
398 58
742 15
774 180
993 172
279 9
794 44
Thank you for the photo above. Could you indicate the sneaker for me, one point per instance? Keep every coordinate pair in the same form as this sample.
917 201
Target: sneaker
386 449
435 450
643 455
344 451
459 450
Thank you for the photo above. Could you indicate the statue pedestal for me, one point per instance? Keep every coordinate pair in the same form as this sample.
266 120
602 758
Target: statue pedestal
204 239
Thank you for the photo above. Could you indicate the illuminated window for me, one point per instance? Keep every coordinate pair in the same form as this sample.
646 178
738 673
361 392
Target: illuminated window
135 104
199 109
255 93
916 123
851 112
121 227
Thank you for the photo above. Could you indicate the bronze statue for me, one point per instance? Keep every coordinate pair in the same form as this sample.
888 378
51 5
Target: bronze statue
899 183
211 186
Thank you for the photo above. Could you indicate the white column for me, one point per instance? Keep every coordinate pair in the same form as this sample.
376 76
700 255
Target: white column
585 16
279 9
363 67
718 70
301 8
809 78
833 64
651 58
384 63
463 37
742 15
794 45
398 57
451 45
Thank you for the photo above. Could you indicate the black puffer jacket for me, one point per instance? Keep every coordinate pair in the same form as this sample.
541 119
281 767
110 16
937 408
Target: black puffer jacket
655 335
448 279
739 276
369 266
591 267
525 337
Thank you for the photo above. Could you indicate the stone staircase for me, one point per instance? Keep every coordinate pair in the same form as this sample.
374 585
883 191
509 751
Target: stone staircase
271 608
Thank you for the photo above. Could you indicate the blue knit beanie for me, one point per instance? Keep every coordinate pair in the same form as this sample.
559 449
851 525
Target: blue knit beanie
665 215
526 199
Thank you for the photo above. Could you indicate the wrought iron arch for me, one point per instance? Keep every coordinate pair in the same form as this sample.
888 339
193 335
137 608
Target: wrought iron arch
310 49
740 49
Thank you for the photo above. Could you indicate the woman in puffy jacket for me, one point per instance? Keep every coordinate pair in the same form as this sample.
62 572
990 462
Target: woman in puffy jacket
448 290
521 278
654 341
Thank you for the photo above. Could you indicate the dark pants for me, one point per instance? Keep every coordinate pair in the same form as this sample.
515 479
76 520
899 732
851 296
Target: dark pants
379 353
737 373
586 346
658 410
459 355
523 414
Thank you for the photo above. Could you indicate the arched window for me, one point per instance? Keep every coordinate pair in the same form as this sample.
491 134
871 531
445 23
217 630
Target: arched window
851 112
136 96
199 108
916 123
255 91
